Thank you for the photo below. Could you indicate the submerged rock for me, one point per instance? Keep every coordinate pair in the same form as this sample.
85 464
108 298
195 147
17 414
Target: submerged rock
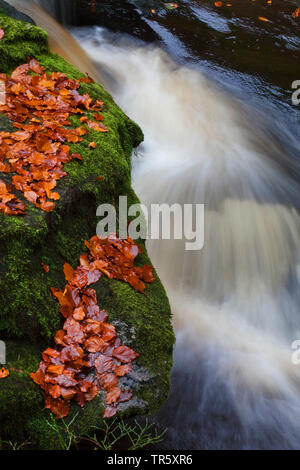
29 314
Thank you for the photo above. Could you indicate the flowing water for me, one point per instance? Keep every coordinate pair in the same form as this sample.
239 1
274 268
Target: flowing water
236 302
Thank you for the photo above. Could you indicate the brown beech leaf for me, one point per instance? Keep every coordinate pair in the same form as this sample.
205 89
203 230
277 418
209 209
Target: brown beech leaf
4 373
45 267
110 411
79 313
120 371
94 344
113 395
59 407
68 271
57 370
97 126
124 354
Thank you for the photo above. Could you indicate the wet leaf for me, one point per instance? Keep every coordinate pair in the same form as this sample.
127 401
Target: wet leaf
4 373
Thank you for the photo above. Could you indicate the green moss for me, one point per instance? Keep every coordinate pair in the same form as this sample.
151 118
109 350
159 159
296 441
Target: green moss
19 397
20 41
29 314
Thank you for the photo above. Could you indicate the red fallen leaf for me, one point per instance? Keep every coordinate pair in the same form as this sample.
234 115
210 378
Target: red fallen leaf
5 168
120 371
74 330
113 395
98 117
80 277
66 380
110 411
103 364
145 273
45 267
57 370
4 373
50 354
99 178
59 337
38 377
71 353
124 354
64 300
54 391
93 276
84 261
68 393
126 395
98 105
59 407
87 79
79 313
46 206
30 196
108 381
76 155
2 34
97 126
94 344
36 67
68 271
83 397
108 332
92 327
102 316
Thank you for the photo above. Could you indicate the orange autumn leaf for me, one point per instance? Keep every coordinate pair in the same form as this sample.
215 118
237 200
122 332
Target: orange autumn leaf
57 370
4 373
79 313
262 18
92 145
45 267
97 126
98 117
296 13
218 4
113 395
120 371
68 271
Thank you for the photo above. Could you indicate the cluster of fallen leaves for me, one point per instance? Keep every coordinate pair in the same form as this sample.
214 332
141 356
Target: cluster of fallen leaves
39 106
89 357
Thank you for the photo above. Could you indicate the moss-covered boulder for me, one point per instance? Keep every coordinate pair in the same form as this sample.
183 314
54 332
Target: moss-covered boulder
29 315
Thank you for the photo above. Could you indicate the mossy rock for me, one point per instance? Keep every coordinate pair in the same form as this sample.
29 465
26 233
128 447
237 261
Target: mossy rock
29 315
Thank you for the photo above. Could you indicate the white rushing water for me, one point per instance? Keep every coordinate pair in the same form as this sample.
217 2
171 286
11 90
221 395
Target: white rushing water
236 303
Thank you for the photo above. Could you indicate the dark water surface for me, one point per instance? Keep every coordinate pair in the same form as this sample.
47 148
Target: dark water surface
256 60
